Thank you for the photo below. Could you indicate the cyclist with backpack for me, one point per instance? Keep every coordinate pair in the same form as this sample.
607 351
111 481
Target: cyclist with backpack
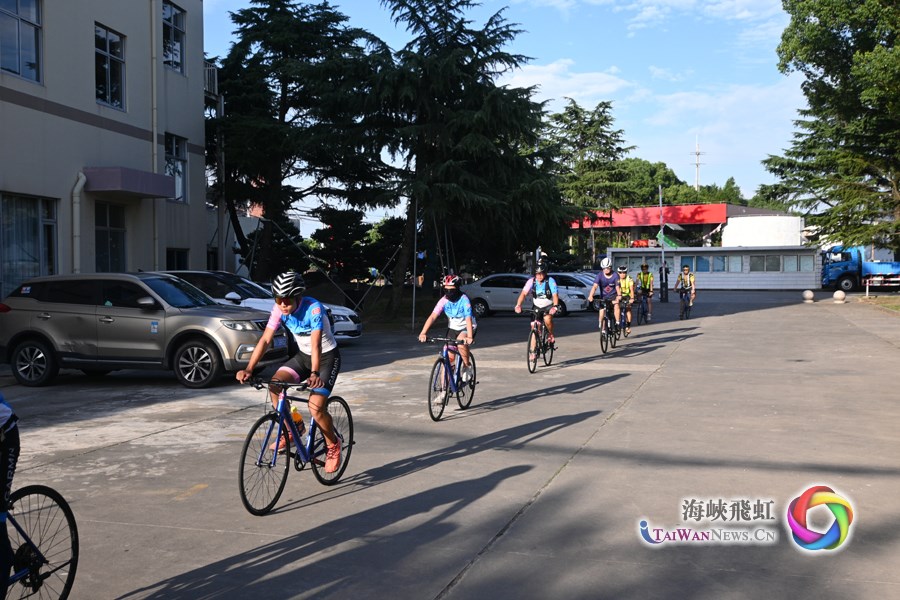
645 288
544 298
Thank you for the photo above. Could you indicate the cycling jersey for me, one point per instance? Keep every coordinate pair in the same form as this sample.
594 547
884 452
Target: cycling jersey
607 285
686 284
541 292
645 280
627 286
456 312
309 316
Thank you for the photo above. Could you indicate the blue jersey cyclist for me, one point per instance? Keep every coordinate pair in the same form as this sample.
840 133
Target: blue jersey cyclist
318 360
544 297
610 289
460 319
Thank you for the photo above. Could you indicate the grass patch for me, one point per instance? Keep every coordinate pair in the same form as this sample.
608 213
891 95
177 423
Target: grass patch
888 301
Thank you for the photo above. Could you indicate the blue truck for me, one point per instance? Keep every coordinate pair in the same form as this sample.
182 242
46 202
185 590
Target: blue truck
846 268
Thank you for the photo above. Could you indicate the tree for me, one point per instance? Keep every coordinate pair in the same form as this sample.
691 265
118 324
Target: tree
469 148
592 174
294 127
341 242
843 166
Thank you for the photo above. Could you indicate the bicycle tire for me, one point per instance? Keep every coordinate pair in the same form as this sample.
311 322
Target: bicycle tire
49 525
642 312
546 348
604 337
342 424
467 391
438 389
613 337
261 483
532 347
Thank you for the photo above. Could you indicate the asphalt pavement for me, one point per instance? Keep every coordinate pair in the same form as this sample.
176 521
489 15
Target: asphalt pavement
705 430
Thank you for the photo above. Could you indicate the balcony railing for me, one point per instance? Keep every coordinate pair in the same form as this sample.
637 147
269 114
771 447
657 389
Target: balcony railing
210 79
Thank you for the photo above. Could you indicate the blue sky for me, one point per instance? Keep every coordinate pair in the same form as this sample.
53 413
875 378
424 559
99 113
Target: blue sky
678 72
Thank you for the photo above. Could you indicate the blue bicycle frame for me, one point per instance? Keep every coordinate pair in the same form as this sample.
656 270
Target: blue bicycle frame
455 368
304 451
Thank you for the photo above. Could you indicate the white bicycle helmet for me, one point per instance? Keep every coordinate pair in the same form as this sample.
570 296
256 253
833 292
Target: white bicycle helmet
606 263
288 285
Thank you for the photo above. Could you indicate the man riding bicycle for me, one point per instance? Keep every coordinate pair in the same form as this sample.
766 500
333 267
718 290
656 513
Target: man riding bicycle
610 290
645 288
544 298
318 360
460 320
626 284
685 280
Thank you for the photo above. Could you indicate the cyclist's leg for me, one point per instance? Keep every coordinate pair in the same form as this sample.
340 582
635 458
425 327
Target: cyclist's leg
457 334
329 367
548 323
292 371
8 459
628 314
617 310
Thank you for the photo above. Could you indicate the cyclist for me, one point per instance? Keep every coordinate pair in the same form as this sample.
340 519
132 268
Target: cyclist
460 320
685 280
608 284
544 297
318 360
9 448
645 287
626 284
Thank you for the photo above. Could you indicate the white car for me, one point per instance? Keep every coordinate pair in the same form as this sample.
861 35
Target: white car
228 288
501 290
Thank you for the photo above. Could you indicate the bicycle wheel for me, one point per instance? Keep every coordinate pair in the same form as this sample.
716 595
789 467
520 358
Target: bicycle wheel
533 347
342 424
604 337
546 347
687 308
261 480
438 388
467 391
614 335
44 541
642 312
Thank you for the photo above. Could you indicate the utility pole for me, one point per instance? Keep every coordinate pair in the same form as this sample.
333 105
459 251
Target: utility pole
697 164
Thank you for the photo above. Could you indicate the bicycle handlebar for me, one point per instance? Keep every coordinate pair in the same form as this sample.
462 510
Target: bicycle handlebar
446 340
259 383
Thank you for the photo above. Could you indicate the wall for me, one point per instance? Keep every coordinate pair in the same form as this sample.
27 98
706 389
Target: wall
762 230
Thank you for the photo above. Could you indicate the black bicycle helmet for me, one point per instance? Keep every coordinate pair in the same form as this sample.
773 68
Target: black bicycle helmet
540 269
288 285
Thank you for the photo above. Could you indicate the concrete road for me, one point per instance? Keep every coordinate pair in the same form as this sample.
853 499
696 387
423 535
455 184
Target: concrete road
536 491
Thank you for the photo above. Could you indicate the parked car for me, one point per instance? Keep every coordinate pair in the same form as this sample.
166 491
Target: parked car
229 288
103 322
501 290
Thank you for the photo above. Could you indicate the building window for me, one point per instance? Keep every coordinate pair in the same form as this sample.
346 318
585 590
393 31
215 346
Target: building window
20 38
176 259
701 264
768 263
27 239
173 37
109 66
807 263
176 164
735 264
109 237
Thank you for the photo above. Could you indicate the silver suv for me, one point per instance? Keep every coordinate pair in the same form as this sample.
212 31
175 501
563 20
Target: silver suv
107 321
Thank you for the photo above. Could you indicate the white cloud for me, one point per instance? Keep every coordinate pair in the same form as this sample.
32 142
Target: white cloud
668 74
557 81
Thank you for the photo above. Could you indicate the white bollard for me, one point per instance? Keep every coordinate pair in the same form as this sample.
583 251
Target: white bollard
808 296
839 297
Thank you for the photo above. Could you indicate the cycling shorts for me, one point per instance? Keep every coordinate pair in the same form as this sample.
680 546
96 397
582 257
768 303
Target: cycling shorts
453 334
300 368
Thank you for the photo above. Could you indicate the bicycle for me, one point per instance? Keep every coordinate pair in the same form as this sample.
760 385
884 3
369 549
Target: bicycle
685 303
623 329
608 326
44 541
538 341
642 309
265 463
447 378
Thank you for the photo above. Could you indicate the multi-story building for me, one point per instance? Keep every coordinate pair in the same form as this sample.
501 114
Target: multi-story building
102 137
